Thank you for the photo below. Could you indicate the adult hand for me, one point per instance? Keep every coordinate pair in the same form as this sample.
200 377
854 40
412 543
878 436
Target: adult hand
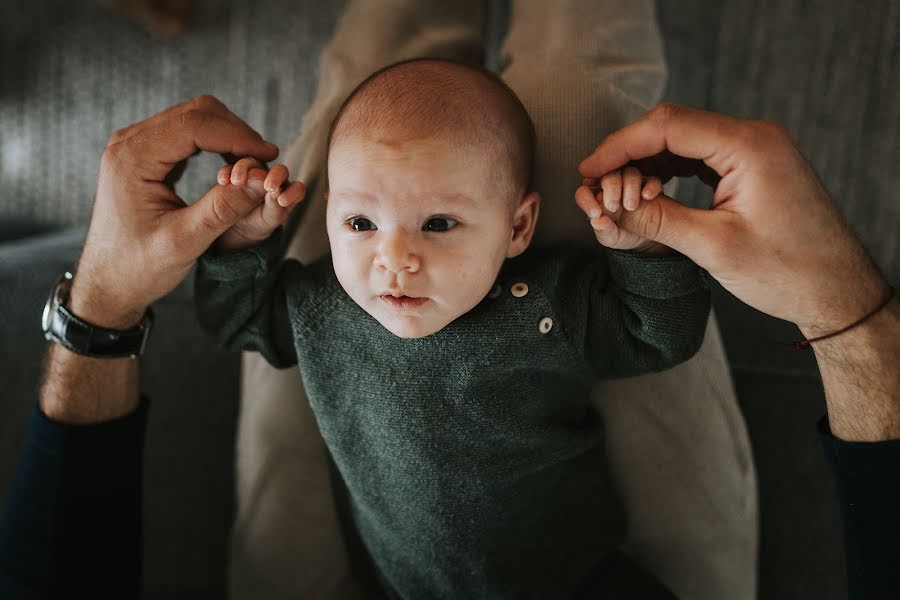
773 237
143 239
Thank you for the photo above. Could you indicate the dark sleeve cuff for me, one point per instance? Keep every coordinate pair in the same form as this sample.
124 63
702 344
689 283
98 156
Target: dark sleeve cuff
73 519
75 441
865 461
247 263
658 277
867 475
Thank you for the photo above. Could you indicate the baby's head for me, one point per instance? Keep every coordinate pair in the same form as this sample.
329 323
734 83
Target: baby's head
429 173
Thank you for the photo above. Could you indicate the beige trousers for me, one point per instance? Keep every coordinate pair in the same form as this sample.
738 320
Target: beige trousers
677 443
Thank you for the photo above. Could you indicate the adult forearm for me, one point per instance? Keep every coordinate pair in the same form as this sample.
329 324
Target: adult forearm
81 389
861 377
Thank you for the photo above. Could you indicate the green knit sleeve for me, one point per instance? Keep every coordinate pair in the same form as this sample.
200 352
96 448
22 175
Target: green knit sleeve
637 314
241 300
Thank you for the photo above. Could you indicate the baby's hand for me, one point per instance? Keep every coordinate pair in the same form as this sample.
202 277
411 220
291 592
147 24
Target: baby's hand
280 198
610 206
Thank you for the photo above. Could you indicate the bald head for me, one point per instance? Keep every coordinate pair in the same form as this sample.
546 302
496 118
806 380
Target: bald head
435 98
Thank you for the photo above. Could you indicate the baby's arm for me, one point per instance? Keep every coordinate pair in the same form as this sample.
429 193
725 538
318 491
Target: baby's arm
647 306
242 282
643 313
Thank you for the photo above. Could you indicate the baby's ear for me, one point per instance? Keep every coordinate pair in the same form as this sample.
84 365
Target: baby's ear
524 220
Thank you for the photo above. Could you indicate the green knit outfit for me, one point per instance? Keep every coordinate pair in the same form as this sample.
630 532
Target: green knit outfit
472 461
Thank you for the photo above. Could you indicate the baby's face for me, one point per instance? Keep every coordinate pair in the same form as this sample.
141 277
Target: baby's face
418 229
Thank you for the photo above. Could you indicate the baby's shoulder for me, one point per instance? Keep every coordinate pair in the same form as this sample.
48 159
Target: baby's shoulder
549 269
313 286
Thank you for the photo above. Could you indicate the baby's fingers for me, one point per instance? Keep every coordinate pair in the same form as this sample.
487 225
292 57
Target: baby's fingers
631 188
606 231
224 174
652 188
274 213
276 179
611 183
293 193
584 198
241 168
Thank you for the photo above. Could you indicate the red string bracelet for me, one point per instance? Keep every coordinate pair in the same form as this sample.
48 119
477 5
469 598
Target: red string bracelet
804 344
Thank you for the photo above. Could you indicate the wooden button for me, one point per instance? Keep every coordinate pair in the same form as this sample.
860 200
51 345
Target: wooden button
495 292
519 289
545 325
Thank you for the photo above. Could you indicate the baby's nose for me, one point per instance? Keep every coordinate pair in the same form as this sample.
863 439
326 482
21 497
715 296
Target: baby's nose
396 254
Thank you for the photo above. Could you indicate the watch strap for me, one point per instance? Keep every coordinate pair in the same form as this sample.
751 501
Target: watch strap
90 340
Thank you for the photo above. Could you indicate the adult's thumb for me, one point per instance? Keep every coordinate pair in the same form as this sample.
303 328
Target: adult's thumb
673 224
219 209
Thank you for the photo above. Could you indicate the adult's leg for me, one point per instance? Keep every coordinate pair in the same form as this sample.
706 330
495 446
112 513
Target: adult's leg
677 443
285 541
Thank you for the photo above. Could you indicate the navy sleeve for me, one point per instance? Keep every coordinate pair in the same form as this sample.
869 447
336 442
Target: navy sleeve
868 483
72 526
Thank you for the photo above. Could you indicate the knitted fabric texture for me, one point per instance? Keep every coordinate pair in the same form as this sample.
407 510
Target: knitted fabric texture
472 459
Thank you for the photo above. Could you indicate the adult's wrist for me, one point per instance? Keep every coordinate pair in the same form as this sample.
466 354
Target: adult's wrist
92 304
79 389
843 299
816 335
861 378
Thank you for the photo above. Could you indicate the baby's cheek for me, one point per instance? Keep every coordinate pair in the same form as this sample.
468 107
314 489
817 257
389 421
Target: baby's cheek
349 275
471 288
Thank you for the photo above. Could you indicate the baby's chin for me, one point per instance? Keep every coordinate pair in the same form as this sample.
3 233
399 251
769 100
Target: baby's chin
409 329
412 325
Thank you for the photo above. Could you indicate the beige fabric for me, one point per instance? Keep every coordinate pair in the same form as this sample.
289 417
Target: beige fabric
678 447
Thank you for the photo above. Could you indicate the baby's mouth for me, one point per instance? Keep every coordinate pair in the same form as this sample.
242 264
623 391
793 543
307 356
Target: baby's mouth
403 301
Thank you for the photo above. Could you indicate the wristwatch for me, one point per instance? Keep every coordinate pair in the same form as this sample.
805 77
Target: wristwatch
81 337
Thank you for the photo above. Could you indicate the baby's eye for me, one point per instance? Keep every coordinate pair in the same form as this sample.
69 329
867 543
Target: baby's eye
360 224
440 224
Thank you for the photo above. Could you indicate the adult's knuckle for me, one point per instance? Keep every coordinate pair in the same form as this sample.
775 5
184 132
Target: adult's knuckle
193 118
116 136
109 157
206 102
774 129
768 140
767 132
119 156
749 135
664 111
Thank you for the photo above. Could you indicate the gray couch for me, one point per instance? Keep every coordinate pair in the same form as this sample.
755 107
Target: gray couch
74 73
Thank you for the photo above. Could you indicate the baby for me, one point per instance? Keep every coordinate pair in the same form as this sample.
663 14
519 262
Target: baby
448 366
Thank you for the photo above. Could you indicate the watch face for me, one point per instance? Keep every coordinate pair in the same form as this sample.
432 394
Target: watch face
49 309
53 301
